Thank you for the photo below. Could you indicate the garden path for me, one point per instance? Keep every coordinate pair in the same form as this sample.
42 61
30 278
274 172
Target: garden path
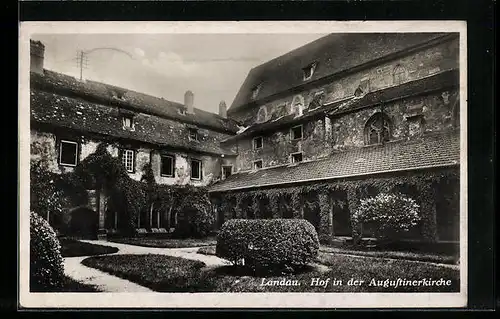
109 283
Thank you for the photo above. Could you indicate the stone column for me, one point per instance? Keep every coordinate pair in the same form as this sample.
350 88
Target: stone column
352 204
297 208
99 200
325 229
428 213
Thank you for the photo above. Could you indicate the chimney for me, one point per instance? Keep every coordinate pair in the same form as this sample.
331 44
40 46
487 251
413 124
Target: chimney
223 109
37 50
189 102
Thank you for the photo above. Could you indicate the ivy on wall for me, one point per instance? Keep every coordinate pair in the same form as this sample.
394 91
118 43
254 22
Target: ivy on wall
421 186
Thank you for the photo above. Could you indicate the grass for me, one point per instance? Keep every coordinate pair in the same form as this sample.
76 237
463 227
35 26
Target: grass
69 285
172 274
427 257
167 243
74 248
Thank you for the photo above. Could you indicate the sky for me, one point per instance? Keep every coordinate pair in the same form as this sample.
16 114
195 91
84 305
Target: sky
212 66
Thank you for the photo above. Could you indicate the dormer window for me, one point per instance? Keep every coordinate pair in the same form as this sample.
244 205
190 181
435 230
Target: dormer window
257 165
128 122
308 71
296 157
255 91
181 111
193 134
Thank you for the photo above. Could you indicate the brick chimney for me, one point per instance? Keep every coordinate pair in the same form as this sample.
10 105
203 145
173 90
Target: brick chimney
223 109
37 50
189 102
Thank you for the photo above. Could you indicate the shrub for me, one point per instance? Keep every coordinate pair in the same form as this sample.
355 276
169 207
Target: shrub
392 214
195 215
46 264
268 244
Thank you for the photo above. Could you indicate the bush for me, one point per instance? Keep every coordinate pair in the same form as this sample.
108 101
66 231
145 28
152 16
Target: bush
195 215
392 214
46 264
268 244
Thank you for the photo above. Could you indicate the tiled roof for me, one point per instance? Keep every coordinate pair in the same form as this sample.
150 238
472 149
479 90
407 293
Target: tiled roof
334 54
78 114
441 81
103 93
429 151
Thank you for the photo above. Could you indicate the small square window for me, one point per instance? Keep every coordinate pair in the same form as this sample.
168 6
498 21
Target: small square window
128 160
68 153
128 122
296 132
257 142
309 71
167 166
296 157
193 134
255 91
226 171
257 164
195 169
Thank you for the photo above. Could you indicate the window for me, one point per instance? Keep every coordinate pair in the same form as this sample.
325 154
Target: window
399 74
297 105
257 164
167 166
377 129
257 142
226 171
296 132
68 153
262 114
193 134
296 157
317 100
255 91
182 111
195 169
309 71
128 160
128 122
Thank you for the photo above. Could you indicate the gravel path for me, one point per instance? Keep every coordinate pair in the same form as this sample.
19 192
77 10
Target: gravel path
109 283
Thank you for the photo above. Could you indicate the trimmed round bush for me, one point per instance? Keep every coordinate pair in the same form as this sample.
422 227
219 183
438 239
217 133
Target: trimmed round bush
392 214
268 244
46 263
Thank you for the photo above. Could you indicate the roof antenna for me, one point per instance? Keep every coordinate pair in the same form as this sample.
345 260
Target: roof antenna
82 58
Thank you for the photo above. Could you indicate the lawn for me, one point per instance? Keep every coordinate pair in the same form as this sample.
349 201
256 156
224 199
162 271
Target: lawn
69 285
74 248
167 243
434 258
173 274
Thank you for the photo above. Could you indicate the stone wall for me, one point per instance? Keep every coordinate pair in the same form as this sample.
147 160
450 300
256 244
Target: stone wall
417 65
45 148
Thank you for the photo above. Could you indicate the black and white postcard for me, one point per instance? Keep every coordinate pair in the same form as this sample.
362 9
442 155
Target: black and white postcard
243 164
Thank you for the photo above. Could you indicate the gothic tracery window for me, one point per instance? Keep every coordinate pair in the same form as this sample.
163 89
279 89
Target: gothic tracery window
399 74
377 129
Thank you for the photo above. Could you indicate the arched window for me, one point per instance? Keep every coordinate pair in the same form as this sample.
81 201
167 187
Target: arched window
377 129
399 74
298 105
262 114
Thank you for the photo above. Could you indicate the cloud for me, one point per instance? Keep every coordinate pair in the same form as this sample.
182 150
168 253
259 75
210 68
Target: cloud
172 64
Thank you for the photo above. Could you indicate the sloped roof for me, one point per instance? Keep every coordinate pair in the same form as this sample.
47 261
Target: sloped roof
430 151
334 53
82 115
440 81
93 91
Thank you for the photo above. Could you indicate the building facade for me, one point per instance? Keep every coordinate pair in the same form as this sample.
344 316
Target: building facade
71 117
347 108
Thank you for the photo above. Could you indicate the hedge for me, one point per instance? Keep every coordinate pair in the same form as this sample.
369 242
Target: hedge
268 244
46 263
